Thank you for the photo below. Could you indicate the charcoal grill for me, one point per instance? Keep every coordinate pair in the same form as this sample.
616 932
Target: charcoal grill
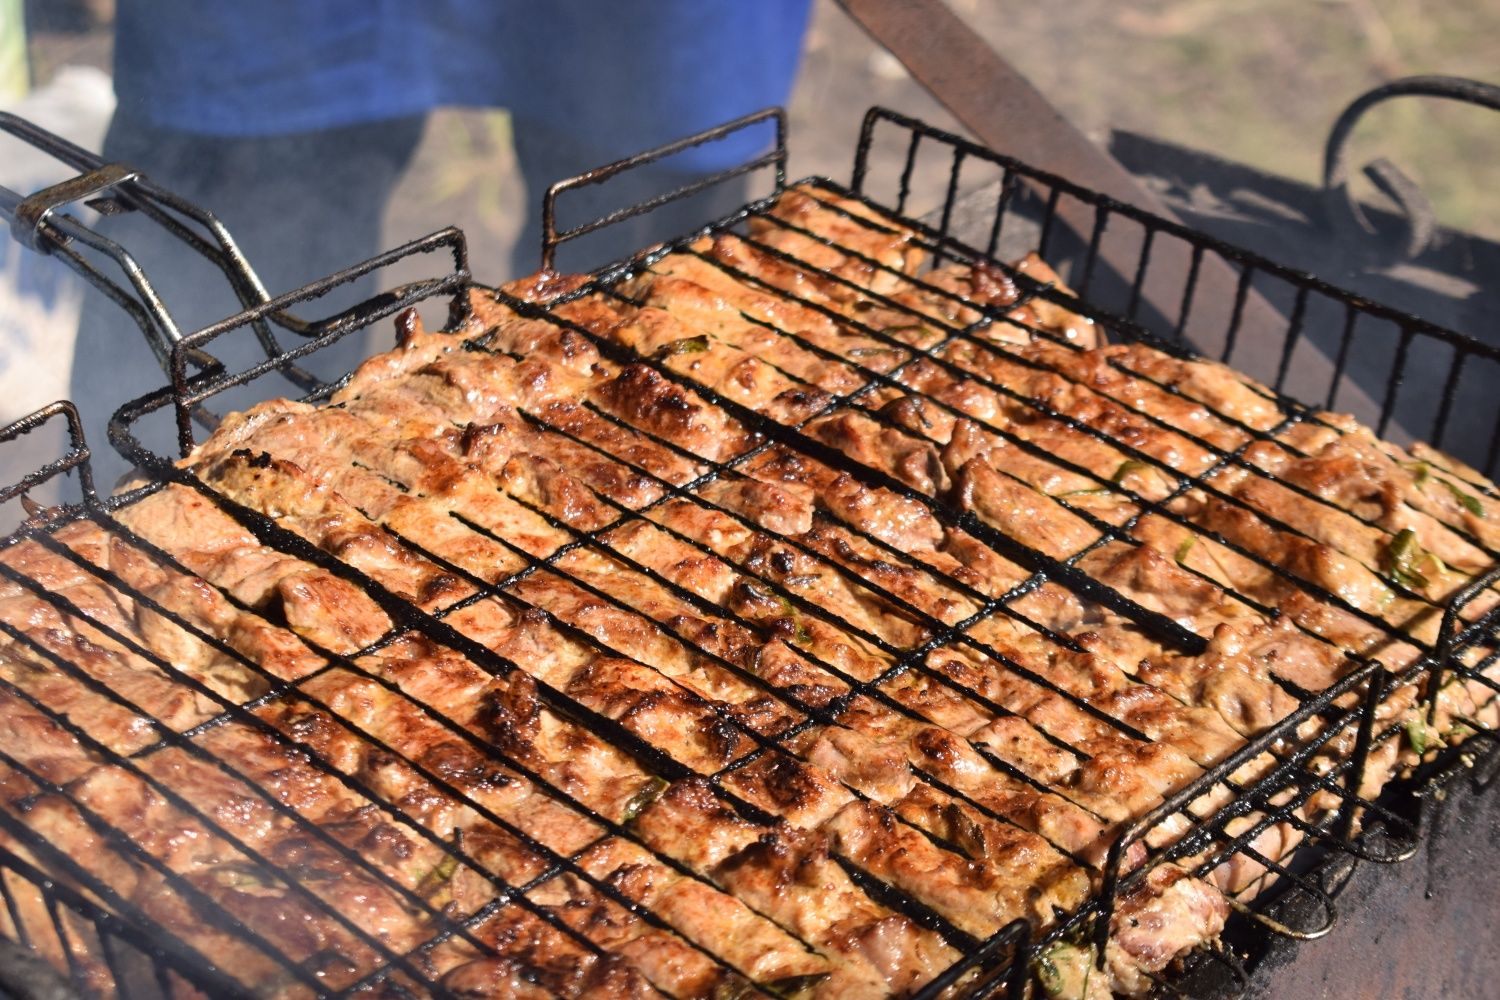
55 903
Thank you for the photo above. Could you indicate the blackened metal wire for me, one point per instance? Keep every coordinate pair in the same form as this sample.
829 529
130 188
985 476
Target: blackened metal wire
1004 955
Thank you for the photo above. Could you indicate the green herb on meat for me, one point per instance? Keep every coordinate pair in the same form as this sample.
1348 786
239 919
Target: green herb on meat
795 986
800 633
1468 501
1422 472
440 876
1063 971
1402 561
1185 547
687 345
1049 975
442 873
648 793
1126 468
1418 737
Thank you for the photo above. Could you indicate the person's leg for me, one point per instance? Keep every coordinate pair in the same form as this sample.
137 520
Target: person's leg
300 207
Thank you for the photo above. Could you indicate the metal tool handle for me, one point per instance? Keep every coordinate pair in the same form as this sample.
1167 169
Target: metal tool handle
1343 210
38 221
552 238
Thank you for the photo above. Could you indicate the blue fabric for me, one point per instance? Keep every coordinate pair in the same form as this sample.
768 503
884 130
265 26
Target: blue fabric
627 74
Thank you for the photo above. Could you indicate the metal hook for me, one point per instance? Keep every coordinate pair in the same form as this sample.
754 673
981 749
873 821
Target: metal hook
1343 210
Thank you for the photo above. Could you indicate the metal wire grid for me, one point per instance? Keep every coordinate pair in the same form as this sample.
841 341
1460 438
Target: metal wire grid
242 714
516 895
1463 385
1380 344
1289 772
908 660
1169 634
661 764
1453 632
286 542
1204 481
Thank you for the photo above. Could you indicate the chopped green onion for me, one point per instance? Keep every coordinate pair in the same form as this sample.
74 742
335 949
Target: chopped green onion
442 873
792 986
800 633
648 793
1403 557
1064 970
869 352
1098 492
440 876
1049 975
1469 502
687 345
1420 471
1185 547
1126 468
1417 736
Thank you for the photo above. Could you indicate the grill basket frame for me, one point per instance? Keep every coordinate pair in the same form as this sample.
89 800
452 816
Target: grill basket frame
1005 958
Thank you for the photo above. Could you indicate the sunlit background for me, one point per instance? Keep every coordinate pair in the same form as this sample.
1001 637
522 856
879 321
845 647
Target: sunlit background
1254 83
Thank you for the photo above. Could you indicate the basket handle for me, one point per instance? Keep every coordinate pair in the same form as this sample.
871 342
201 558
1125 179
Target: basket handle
77 456
39 222
552 237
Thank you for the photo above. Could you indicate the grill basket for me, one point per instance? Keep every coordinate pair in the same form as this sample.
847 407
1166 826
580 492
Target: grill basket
1331 348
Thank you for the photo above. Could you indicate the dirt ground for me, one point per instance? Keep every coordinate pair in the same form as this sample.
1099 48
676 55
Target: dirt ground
1262 82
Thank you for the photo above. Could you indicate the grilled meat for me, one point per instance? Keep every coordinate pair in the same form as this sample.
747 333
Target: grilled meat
699 623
